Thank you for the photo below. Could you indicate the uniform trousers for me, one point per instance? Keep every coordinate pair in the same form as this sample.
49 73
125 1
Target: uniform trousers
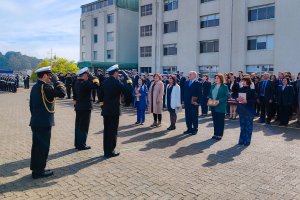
111 124
82 123
40 148
69 91
246 124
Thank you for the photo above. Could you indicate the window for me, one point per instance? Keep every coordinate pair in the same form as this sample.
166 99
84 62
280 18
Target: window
146 10
110 36
210 70
109 54
209 21
169 69
146 69
110 18
95 55
170 5
96 5
83 40
204 1
261 13
95 22
146 51
170 27
83 24
83 56
209 46
259 69
170 49
146 30
260 42
95 38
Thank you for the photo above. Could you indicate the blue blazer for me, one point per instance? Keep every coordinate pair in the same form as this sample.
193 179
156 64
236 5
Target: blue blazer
143 98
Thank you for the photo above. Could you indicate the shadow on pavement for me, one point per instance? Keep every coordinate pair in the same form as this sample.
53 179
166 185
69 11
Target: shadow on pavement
133 132
146 136
193 149
26 183
165 142
224 156
10 169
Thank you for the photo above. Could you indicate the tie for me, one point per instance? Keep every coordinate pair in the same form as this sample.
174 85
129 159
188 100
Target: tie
190 83
264 88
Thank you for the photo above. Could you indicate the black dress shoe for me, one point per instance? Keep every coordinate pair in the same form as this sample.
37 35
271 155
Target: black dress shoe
113 154
44 174
84 148
194 133
187 132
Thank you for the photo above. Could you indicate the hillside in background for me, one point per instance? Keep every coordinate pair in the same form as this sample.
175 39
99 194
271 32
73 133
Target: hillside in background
16 61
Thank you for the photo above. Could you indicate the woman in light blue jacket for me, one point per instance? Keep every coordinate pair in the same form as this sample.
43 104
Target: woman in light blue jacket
172 100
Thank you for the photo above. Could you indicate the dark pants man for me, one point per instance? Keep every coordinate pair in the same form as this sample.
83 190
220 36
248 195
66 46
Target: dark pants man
111 124
82 124
40 148
265 107
69 88
191 118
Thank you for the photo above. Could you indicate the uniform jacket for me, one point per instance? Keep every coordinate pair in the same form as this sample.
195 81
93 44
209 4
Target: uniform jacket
40 117
175 97
158 93
222 97
82 94
109 95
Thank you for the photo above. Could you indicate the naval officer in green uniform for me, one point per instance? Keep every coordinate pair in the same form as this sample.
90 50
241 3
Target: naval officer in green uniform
42 108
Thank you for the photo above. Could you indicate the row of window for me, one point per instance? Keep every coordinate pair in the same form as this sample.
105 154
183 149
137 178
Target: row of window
212 46
109 55
254 13
96 5
109 38
109 20
211 70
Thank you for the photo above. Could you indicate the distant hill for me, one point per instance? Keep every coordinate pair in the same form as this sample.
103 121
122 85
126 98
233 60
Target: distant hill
16 61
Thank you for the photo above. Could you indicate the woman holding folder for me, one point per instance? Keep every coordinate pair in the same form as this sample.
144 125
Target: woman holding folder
246 110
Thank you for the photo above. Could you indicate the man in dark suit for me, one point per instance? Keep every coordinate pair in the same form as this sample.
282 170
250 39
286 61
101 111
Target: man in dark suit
192 98
182 81
83 106
285 98
69 83
205 89
42 108
266 96
109 97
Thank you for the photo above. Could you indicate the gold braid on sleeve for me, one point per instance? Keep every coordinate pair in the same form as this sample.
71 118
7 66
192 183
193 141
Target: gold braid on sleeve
46 100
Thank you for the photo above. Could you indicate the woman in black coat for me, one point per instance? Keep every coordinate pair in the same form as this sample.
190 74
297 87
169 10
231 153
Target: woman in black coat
285 97
233 88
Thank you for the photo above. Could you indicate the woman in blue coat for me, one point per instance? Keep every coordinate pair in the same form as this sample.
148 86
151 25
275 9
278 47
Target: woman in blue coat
246 111
140 101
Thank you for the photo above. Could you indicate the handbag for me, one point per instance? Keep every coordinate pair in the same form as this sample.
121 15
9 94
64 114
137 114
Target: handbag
211 103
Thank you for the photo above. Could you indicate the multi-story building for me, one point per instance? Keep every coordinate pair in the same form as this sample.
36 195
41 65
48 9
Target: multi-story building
212 36
109 33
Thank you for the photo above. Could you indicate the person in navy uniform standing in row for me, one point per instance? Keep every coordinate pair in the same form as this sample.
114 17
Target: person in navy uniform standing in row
42 108
83 106
192 96
109 97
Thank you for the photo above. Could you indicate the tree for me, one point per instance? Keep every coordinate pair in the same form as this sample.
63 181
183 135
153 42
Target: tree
59 65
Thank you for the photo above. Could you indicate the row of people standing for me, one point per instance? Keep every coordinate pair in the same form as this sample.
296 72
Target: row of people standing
8 83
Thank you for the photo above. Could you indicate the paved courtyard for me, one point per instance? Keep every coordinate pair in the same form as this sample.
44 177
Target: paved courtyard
154 163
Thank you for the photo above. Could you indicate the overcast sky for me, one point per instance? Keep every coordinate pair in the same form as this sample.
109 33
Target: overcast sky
33 27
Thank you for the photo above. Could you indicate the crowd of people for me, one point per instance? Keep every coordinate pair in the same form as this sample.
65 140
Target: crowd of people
242 97
9 83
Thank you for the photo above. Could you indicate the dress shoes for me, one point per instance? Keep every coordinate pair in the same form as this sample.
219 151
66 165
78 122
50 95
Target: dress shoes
187 132
83 148
111 155
43 174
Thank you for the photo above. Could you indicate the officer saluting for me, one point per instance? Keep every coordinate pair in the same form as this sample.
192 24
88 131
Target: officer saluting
42 108
83 106
109 97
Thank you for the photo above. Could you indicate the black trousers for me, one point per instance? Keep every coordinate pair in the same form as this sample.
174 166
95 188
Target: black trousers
40 148
191 117
285 113
219 122
82 124
173 117
265 107
111 124
69 88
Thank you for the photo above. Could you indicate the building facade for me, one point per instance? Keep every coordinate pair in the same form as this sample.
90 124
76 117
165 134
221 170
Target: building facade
211 36
109 32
